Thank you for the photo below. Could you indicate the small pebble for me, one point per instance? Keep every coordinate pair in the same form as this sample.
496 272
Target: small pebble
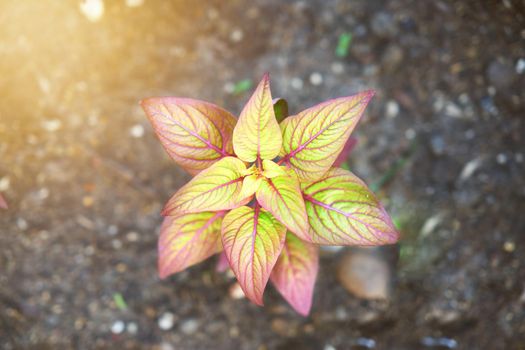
520 66
439 342
501 158
410 134
236 35
137 131
296 83
452 110
116 244
189 326
132 236
338 68
329 347
229 87
112 230
166 321
22 224
132 328
316 78
392 109
235 291
509 246
4 183
93 10
365 342
117 327
519 157
469 168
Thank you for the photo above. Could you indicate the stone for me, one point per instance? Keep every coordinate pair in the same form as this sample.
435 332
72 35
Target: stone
365 274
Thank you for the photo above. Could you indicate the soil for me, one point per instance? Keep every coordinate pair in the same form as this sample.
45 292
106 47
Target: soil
443 144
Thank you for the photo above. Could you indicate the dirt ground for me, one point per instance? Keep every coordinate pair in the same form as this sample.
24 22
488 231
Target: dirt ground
443 144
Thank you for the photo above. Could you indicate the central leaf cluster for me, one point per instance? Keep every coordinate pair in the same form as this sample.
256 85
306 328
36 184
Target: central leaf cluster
267 216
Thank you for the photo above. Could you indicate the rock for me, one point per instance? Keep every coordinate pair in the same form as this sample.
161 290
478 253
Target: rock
235 291
470 168
384 25
189 326
166 321
136 131
392 109
316 78
520 66
117 327
364 273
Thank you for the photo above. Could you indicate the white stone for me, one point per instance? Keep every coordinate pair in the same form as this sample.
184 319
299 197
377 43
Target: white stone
117 327
316 78
137 131
92 9
166 321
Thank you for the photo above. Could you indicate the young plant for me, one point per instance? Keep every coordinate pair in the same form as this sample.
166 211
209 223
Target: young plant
265 193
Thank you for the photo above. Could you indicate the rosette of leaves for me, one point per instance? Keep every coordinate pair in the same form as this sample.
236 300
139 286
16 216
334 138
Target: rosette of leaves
264 193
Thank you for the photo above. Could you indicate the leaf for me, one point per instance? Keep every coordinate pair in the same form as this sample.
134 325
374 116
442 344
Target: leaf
343 44
343 211
280 108
347 149
188 239
282 197
270 169
195 133
222 263
250 185
242 86
295 272
257 134
213 189
252 240
3 203
314 138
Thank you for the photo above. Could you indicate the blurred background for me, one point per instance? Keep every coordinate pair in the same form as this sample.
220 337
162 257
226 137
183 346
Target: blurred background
442 143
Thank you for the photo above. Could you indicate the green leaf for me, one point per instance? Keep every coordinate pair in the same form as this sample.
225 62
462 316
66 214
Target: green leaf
195 133
343 45
252 240
282 197
188 239
242 86
343 211
216 188
119 301
257 134
295 272
314 138
280 108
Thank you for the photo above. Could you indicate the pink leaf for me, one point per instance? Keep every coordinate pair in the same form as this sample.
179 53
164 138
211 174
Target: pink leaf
188 239
314 138
195 133
222 263
295 273
252 240
347 149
